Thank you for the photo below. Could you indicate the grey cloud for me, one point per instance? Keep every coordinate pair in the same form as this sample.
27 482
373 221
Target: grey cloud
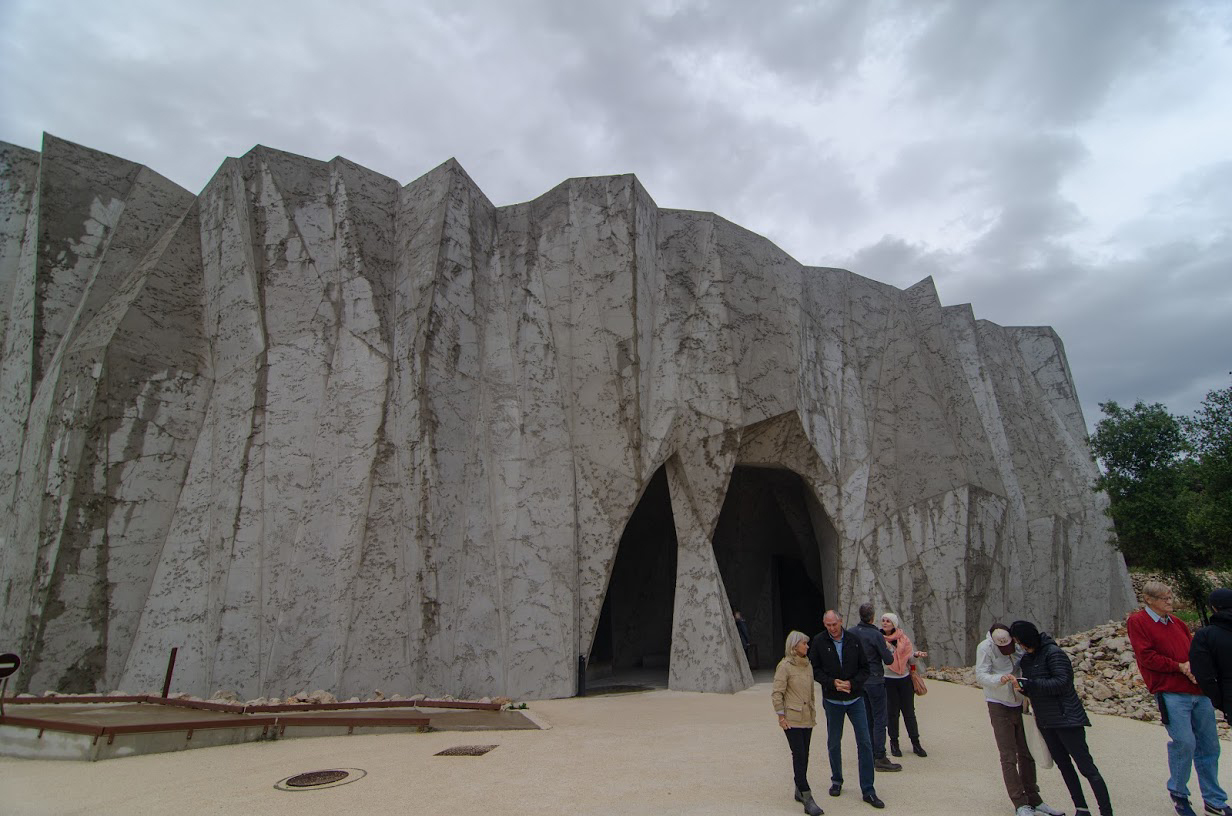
1053 62
1151 327
809 43
1012 183
525 94
894 260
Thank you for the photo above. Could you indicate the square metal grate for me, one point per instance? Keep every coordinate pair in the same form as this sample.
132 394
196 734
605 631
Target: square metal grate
466 750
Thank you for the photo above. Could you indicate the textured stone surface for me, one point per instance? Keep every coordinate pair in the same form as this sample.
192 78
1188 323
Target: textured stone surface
319 430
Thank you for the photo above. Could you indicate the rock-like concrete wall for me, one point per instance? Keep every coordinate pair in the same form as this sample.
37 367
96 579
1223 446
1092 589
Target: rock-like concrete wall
317 429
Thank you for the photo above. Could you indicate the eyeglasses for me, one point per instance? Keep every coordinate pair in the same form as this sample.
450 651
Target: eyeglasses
1167 598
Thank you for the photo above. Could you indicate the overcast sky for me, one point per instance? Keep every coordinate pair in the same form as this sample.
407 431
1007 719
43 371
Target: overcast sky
1061 162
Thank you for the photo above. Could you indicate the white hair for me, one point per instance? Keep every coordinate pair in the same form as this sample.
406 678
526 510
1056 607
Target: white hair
793 638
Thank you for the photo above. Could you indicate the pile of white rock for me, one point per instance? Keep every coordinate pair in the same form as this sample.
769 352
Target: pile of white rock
1105 674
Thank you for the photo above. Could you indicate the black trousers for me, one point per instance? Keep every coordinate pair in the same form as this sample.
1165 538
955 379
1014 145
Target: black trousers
799 739
900 697
1068 747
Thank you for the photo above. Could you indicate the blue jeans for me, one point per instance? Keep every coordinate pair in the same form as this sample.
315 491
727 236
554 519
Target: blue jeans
1195 742
834 741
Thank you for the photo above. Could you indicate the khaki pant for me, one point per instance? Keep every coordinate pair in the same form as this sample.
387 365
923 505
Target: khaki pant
1017 764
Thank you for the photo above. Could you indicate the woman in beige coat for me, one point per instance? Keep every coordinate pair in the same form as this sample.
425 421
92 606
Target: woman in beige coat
795 705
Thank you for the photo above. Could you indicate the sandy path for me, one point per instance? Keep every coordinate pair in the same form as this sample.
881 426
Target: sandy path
650 753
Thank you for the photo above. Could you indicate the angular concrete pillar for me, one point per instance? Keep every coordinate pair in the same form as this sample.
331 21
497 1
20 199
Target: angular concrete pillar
706 652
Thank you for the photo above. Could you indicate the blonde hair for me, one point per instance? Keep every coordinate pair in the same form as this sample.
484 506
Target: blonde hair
793 638
1155 589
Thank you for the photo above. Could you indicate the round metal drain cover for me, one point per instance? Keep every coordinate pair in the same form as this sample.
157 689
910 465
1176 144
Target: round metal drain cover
318 780
314 778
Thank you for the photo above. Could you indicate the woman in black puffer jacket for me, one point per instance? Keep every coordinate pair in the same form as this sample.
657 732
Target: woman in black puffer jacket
1048 680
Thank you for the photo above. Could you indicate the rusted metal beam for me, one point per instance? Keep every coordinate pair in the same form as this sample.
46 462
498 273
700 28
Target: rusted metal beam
53 725
460 704
170 671
200 705
58 700
356 722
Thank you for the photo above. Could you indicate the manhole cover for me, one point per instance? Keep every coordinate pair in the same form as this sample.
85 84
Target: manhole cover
466 750
314 778
317 780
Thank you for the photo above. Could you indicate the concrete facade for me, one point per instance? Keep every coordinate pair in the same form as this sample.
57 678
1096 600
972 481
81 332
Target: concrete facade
320 430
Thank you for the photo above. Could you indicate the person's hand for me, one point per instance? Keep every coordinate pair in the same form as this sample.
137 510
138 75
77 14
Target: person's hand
1184 667
783 722
1007 678
921 654
843 686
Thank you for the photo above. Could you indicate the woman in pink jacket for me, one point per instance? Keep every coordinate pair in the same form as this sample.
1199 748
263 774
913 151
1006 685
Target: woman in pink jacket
900 693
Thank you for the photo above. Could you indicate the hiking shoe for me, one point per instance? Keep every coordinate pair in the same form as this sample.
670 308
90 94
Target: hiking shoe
836 789
1226 810
883 764
872 799
1025 810
1047 811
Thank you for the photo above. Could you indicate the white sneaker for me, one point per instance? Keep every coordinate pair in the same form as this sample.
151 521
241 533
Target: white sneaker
1047 811
1025 810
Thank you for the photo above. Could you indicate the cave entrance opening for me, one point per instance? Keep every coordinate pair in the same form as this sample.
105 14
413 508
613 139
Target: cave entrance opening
633 639
776 550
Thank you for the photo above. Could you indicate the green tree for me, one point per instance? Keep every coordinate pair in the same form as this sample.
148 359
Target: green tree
1209 434
1148 477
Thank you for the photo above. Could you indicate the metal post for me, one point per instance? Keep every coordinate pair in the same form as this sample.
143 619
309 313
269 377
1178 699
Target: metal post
581 680
9 663
170 669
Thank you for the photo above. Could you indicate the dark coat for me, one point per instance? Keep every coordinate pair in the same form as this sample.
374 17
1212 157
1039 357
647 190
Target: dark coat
827 667
875 649
1210 660
1048 679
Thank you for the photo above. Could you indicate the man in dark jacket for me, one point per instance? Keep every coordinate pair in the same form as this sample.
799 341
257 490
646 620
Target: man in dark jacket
879 656
1210 654
841 667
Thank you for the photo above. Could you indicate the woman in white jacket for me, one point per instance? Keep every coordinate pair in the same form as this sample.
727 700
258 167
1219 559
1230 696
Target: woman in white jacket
996 661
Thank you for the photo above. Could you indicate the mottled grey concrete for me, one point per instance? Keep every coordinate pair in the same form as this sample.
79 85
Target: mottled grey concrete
318 430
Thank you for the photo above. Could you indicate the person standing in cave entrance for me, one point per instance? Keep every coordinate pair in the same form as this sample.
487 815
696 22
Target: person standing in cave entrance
879 656
742 629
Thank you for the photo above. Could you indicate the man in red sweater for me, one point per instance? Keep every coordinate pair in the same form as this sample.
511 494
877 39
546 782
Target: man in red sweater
1161 646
